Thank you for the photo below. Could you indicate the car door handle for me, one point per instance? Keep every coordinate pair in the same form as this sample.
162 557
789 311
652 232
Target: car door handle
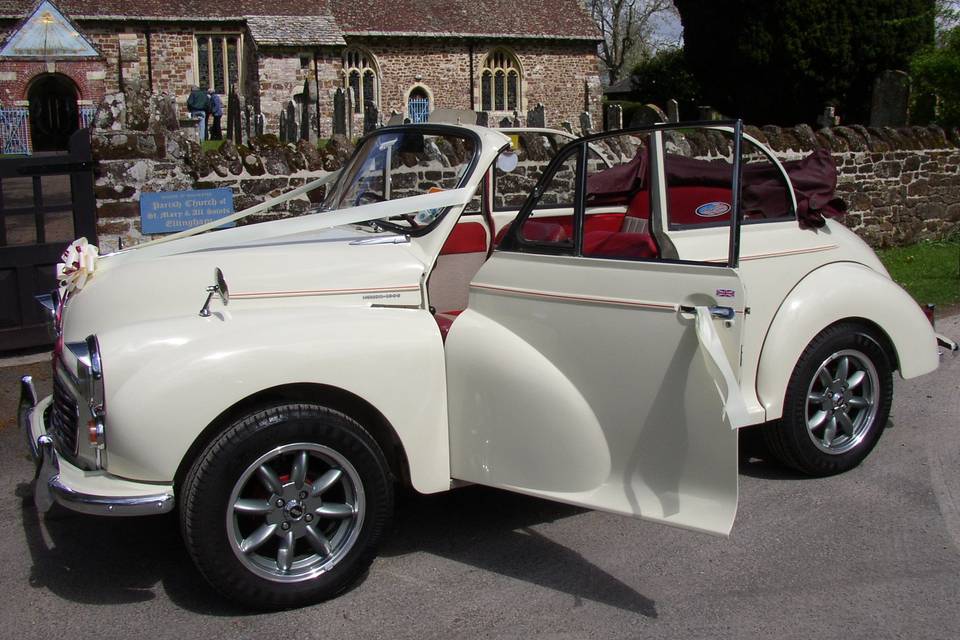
724 313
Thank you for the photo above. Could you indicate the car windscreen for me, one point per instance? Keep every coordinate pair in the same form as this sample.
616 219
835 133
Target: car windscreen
401 163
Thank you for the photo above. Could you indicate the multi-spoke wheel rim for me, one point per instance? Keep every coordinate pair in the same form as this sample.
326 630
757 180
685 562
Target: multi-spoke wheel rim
295 512
842 401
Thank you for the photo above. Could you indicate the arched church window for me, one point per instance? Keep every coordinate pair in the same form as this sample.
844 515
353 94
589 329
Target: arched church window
360 74
500 82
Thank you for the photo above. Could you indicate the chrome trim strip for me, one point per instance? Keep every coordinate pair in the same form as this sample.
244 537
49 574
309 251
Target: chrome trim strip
659 306
25 409
110 506
946 343
381 240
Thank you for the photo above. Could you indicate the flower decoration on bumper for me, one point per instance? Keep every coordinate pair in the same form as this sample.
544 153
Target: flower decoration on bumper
79 263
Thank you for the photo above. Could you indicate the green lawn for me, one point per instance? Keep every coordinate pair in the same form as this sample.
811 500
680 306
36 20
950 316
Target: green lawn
929 271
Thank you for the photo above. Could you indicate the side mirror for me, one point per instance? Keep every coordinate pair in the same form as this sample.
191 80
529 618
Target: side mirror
219 287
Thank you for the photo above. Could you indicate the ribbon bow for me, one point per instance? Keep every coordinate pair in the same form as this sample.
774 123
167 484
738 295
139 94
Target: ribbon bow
79 263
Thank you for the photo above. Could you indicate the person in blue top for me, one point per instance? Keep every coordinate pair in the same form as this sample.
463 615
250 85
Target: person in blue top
197 104
216 110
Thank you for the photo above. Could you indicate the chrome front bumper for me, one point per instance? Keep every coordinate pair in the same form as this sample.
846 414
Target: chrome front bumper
56 480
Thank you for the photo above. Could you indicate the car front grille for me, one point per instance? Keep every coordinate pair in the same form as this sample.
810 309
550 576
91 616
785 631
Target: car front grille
64 418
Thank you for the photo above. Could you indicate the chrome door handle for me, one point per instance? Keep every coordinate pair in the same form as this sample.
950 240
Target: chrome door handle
724 313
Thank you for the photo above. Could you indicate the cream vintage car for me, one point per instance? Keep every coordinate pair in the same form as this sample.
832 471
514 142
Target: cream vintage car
583 321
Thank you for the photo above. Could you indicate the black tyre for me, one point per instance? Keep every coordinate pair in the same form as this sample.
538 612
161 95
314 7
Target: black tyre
837 402
287 506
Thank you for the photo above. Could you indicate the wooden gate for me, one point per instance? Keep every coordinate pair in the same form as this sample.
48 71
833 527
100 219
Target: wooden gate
46 201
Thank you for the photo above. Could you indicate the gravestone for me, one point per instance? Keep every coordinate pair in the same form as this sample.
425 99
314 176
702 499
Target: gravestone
537 117
483 119
308 116
516 119
233 117
586 123
293 130
259 124
646 115
283 126
673 110
349 103
395 118
829 118
614 119
506 122
708 113
891 100
566 126
339 112
371 116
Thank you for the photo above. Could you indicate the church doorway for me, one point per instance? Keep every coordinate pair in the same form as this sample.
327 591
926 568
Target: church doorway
53 112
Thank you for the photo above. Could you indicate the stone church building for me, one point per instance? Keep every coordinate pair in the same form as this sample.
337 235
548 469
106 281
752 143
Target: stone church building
60 58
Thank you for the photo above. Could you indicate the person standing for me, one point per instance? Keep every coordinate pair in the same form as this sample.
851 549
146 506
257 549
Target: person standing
216 110
197 104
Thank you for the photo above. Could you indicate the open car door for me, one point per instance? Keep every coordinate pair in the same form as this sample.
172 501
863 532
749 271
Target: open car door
591 367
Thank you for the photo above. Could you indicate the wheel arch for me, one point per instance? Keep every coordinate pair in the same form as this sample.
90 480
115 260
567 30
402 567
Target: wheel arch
835 293
351 405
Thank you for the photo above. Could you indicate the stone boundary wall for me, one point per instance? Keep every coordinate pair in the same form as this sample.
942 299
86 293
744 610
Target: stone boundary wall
901 185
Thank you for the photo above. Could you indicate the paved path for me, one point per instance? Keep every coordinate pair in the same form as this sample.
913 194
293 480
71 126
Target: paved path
872 554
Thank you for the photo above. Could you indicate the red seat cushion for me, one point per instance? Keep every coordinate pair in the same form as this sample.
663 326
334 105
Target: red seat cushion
608 244
538 231
466 237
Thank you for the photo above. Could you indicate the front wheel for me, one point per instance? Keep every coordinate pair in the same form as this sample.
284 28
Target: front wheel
837 402
286 507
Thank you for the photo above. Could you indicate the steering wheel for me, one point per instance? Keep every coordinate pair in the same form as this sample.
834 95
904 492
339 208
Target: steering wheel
372 195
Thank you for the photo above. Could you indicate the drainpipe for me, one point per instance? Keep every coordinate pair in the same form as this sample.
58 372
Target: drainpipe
473 100
146 35
119 68
316 80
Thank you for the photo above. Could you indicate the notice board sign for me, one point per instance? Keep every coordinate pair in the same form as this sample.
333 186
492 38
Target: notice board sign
171 211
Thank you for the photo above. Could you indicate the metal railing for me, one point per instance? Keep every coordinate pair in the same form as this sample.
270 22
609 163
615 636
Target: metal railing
15 132
86 116
419 109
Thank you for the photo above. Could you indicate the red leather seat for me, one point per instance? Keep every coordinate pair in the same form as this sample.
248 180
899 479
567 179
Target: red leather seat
610 244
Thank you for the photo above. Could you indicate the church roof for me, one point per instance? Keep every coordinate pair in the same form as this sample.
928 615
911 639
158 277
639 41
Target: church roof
439 18
306 31
551 19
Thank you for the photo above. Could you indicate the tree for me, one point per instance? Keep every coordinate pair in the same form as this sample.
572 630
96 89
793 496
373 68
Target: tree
631 30
936 72
665 76
782 62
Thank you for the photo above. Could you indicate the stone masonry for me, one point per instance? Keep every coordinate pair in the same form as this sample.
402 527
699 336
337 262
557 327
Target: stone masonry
901 185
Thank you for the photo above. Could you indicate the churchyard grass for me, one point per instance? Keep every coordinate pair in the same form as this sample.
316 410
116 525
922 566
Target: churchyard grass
929 271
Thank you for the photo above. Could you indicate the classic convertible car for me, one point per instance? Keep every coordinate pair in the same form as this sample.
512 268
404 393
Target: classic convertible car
588 321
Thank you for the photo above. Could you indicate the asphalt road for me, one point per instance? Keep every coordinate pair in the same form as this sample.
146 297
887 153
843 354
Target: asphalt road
874 553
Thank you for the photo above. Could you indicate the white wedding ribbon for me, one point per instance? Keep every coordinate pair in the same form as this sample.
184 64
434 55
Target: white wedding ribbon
322 220
734 406
78 266
249 211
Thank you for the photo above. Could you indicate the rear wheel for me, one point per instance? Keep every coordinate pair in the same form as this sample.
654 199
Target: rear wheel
286 507
837 402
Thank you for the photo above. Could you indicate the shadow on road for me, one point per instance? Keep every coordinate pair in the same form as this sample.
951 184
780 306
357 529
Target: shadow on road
105 561
492 530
